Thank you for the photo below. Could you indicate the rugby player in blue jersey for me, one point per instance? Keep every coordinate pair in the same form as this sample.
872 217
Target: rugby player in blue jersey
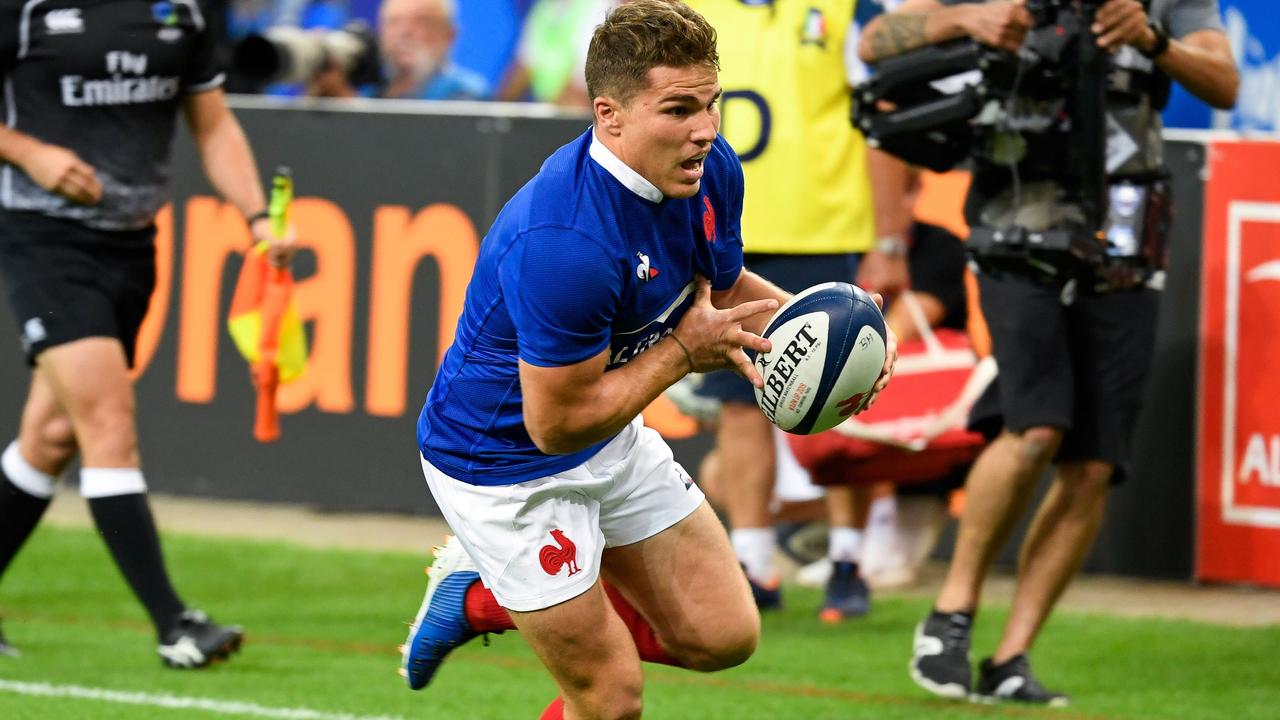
607 278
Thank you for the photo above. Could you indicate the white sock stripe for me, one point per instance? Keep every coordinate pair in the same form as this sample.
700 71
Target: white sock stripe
27 479
177 702
109 482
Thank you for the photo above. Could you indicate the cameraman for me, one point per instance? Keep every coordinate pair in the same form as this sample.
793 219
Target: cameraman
415 38
1073 348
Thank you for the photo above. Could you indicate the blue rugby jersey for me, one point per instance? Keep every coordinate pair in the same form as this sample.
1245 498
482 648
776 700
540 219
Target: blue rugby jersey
587 256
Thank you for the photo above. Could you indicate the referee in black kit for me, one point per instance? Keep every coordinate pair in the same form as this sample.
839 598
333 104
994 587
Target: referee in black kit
91 93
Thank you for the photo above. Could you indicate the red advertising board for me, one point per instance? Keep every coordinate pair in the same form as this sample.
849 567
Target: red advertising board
1238 533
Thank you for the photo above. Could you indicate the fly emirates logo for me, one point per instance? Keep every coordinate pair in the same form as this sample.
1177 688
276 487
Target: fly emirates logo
128 84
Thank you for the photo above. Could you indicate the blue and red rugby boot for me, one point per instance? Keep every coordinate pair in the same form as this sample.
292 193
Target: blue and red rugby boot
441 624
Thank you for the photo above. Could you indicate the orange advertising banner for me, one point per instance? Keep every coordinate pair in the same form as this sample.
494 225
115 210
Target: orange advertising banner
1238 528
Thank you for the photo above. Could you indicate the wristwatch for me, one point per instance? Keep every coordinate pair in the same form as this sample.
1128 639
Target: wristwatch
892 245
1161 45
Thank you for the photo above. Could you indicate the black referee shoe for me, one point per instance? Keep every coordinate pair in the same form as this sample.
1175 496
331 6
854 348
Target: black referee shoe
197 641
1012 680
940 663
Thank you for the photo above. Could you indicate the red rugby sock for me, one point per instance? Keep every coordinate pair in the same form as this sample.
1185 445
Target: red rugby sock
641 632
554 711
483 612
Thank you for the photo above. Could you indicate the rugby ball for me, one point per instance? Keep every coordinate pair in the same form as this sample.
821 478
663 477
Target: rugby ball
827 353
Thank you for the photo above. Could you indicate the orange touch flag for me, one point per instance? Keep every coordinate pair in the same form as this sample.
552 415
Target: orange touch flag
264 320
268 331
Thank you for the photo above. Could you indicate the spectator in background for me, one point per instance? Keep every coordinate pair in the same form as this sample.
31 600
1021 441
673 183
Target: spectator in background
810 219
893 544
415 38
552 50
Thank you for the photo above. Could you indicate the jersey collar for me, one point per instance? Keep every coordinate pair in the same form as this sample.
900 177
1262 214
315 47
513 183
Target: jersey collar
629 178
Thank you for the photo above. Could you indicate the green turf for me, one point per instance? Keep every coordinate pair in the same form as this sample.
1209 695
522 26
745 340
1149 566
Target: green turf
322 627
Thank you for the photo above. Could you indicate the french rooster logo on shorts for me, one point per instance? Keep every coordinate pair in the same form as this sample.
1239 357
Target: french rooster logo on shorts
563 553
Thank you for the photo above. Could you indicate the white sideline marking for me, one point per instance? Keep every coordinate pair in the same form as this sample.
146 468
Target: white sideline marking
228 707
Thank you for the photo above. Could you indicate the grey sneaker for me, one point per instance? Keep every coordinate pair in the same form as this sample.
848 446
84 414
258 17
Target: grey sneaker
1012 680
940 663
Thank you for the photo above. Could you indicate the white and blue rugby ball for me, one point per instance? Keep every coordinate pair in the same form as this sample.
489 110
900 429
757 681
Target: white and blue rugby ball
828 350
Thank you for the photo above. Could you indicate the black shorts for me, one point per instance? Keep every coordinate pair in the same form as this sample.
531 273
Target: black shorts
1080 367
792 273
936 265
66 282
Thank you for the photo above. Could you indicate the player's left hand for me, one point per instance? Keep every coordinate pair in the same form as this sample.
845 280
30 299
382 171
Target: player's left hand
281 249
890 361
1122 22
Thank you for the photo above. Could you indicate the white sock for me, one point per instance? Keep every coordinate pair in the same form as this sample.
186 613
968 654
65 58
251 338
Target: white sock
24 477
884 511
845 544
110 482
879 550
754 548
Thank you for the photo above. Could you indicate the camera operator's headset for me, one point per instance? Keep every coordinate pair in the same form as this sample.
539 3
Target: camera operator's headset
924 108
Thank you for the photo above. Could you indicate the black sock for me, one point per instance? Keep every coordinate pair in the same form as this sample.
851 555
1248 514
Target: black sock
962 617
125 523
19 514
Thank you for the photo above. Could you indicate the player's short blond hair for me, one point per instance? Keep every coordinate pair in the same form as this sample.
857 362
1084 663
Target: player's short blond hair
640 35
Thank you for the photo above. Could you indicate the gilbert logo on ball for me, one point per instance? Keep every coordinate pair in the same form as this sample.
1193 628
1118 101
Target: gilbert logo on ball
828 350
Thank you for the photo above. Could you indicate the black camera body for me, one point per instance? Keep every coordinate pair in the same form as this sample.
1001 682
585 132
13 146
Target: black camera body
286 54
1040 114
923 106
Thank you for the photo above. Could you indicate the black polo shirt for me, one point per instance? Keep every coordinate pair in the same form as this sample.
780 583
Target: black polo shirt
103 78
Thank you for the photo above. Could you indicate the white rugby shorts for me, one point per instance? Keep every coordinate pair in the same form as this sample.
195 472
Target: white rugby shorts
538 543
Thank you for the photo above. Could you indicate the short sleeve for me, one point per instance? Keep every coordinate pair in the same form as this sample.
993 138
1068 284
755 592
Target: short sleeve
1183 17
203 71
562 291
729 249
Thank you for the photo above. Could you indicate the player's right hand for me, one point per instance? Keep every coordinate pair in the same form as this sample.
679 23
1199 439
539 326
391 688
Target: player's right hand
890 361
61 171
1001 25
715 338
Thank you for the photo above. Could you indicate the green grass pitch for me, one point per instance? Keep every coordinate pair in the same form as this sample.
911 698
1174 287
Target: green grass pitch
322 627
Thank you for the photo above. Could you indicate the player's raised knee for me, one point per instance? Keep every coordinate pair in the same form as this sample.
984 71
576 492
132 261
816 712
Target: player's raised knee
729 646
